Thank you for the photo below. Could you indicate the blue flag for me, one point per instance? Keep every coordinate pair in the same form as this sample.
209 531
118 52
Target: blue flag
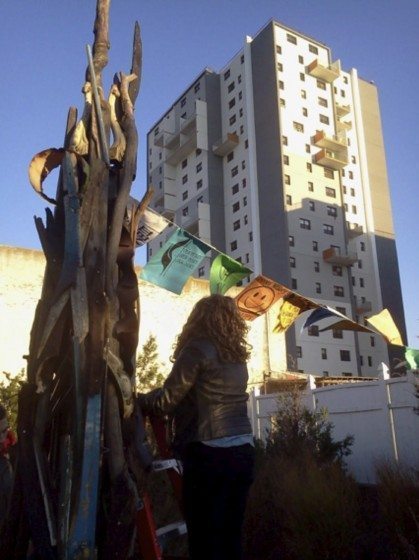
172 265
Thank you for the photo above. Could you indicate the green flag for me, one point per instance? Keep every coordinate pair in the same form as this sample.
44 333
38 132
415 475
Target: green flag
412 357
226 272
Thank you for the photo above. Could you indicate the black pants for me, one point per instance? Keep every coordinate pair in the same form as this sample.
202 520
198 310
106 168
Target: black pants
216 481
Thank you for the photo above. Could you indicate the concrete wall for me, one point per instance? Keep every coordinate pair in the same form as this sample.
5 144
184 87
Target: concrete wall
379 414
162 314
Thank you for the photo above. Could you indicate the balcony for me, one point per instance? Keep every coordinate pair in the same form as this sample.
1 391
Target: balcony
159 139
326 73
166 205
333 256
335 143
342 110
331 159
362 307
225 144
343 126
354 230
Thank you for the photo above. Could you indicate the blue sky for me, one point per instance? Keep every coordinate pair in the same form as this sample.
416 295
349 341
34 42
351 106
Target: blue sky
43 62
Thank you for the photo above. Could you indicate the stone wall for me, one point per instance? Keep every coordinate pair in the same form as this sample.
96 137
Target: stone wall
162 314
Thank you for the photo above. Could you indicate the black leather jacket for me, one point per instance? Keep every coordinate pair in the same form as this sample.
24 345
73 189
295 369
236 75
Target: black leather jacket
206 397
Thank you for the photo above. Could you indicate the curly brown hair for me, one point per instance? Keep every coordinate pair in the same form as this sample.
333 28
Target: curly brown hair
217 318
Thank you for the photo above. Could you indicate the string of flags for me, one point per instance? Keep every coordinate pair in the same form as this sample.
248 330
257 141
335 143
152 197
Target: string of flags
182 254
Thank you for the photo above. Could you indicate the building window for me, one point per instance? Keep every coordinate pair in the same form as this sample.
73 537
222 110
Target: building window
332 211
199 167
338 291
232 120
247 258
308 149
311 205
302 76
303 94
300 59
235 188
230 87
201 271
183 116
226 75
233 245
353 159
329 173
352 192
293 283
372 341
351 175
240 113
279 67
337 270
299 352
230 156
245 219
354 210
231 103
285 140
244 183
321 84
184 179
288 200
199 184
305 224
337 333
250 235
240 95
278 49
282 102
236 207
322 101
200 199
241 129
318 288
292 262
309 167
369 361
243 164
341 310
362 245
345 355
236 225
324 353
185 211
298 126
184 195
313 49
291 241
360 263
315 246
246 144
287 179
310 186
245 201
313 330
316 266
239 78
234 171
330 192
184 163
183 102
291 39
324 119
281 84
286 160
197 87
361 283
328 229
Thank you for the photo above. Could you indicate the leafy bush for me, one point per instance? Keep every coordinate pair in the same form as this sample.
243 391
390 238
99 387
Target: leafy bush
148 368
297 431
398 502
9 391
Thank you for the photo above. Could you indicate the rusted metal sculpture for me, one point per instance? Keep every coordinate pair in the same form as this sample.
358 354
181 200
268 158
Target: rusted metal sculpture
81 450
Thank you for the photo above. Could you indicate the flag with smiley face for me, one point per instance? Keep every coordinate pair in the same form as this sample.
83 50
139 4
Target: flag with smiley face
259 296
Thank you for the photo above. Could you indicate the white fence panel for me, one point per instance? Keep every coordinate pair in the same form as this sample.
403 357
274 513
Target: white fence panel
379 414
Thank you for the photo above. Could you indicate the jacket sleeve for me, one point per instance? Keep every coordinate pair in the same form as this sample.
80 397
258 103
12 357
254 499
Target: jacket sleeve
177 385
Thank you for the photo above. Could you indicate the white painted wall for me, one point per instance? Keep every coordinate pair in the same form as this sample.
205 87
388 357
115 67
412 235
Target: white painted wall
361 409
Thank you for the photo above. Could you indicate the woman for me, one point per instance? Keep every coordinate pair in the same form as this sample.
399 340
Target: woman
206 395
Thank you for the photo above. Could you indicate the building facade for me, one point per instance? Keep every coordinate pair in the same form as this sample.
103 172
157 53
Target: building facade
278 160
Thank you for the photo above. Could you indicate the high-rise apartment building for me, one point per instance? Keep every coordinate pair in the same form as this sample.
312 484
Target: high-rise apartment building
278 160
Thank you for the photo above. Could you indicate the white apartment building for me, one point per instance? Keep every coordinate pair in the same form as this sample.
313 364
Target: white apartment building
278 160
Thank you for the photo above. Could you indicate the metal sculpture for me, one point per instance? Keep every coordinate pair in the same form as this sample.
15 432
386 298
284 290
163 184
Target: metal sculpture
80 452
